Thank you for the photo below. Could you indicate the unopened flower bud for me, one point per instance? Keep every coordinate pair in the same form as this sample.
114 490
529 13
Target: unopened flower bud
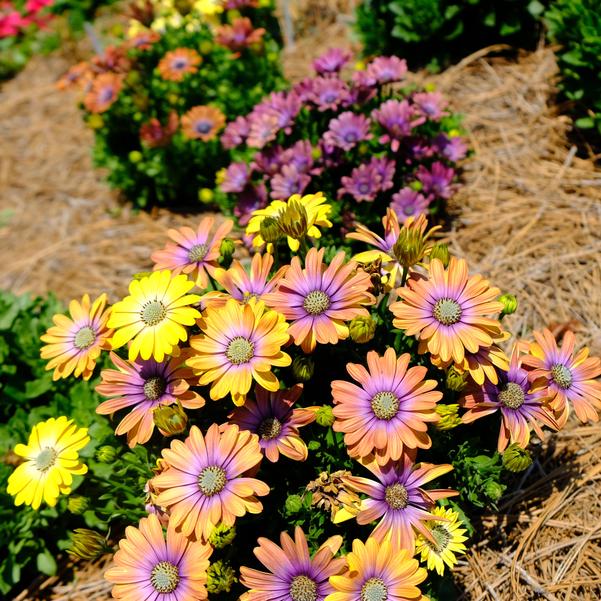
440 251
135 156
106 454
510 303
293 220
325 416
516 459
170 419
455 379
206 195
303 368
270 229
87 544
293 504
77 504
226 250
95 121
362 329
222 536
220 577
493 490
449 416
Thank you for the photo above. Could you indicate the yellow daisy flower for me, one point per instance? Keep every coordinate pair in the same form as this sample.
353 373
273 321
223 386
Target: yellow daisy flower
448 538
51 460
154 314
296 218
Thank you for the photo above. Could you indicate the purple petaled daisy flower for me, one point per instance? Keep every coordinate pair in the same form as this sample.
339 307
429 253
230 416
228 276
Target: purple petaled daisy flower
264 126
363 87
236 178
347 130
300 155
273 419
288 182
293 573
521 408
235 133
398 118
268 161
387 69
397 498
304 89
385 169
453 149
409 203
363 183
249 200
329 93
331 156
437 181
431 105
285 106
418 150
331 61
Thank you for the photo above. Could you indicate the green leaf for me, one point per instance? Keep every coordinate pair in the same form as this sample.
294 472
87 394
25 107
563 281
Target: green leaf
585 123
46 563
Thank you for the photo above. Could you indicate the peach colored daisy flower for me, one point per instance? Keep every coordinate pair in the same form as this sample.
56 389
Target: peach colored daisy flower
176 64
204 483
318 299
103 92
202 123
447 310
389 411
148 566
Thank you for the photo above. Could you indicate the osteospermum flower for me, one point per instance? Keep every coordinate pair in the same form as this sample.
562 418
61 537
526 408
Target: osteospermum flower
347 130
447 310
331 61
243 286
378 572
272 417
154 314
103 92
409 203
50 460
288 182
521 408
569 376
318 299
398 118
447 541
204 485
176 64
293 573
74 344
142 386
202 123
147 566
239 344
387 69
397 497
390 410
155 135
195 253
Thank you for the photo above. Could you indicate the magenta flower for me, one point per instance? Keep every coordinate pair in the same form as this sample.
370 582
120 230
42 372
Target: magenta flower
437 181
347 130
304 89
399 499
385 169
285 106
363 183
236 178
264 126
398 118
452 149
301 156
409 203
431 105
387 69
288 182
331 61
329 93
235 133
268 161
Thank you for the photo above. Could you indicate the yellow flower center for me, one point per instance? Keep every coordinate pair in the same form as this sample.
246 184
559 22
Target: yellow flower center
154 388
270 428
46 459
442 538
84 338
240 350
512 396
164 577
316 302
212 480
385 405
374 589
396 496
197 253
561 375
153 312
303 588
447 311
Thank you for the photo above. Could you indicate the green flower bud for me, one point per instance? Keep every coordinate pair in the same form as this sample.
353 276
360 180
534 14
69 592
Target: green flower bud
206 195
316 153
416 185
106 454
516 459
363 148
449 416
77 504
303 368
222 536
87 544
493 490
226 250
510 303
133 77
170 419
135 156
270 229
325 416
440 251
220 577
455 379
293 220
95 121
362 329
293 504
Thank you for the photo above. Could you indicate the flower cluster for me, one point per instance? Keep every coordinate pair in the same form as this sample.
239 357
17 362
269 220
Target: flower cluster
14 22
367 143
158 100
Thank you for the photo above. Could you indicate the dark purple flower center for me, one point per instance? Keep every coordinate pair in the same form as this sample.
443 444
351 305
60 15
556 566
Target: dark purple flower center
409 210
447 311
179 63
106 94
212 480
154 388
351 136
203 126
164 577
270 428
374 589
363 188
562 376
303 588
512 395
396 496
329 97
84 338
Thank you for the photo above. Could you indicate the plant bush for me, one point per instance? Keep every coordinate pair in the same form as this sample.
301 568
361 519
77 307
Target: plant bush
367 144
437 32
157 100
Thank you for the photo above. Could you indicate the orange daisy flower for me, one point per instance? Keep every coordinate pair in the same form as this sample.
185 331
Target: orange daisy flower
103 92
447 311
202 123
176 64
